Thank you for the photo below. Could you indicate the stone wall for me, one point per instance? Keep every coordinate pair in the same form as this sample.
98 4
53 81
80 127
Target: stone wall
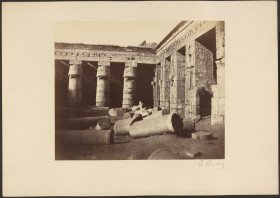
189 71
109 53
61 83
93 84
218 100
196 75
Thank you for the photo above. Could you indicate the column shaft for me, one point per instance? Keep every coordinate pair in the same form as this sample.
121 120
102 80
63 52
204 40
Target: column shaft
103 84
75 83
129 86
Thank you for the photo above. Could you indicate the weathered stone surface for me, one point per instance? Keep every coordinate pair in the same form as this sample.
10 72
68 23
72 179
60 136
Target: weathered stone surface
128 115
86 136
191 57
103 124
144 113
117 111
79 113
156 126
193 154
158 114
122 127
201 66
78 123
202 135
164 154
75 85
103 71
129 87
114 119
65 51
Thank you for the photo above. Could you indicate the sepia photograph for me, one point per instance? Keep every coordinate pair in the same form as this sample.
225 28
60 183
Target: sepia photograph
143 98
116 99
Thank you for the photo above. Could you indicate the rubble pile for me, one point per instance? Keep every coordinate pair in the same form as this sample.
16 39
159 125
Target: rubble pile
121 125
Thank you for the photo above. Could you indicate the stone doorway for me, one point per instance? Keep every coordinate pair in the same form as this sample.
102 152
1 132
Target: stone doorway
205 70
144 88
204 98
116 84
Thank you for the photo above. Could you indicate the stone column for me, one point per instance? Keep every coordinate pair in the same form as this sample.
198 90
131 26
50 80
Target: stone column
172 78
166 83
129 84
75 83
154 85
158 85
103 84
161 85
181 66
190 90
218 100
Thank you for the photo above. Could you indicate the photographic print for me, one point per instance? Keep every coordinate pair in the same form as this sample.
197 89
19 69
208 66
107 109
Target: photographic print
155 99
144 98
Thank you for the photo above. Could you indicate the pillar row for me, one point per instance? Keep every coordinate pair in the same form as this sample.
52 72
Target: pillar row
129 84
75 83
103 84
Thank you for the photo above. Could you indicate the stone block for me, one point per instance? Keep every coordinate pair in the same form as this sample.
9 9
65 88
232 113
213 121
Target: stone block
103 124
193 154
114 119
202 135
93 137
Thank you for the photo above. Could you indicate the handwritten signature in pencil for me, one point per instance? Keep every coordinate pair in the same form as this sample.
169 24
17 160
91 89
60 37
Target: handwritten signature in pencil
210 163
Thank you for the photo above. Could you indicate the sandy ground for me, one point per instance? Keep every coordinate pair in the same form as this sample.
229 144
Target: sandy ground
142 148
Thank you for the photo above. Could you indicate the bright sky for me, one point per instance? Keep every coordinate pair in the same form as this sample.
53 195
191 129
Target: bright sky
121 33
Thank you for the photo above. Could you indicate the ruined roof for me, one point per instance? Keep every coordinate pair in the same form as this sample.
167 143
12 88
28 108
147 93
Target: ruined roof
142 49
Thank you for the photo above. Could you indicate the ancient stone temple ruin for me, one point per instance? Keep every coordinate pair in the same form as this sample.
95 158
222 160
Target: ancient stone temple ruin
183 73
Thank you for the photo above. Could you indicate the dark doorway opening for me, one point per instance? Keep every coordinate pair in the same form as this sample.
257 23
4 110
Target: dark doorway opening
61 83
182 51
168 58
204 102
116 84
144 88
208 40
89 83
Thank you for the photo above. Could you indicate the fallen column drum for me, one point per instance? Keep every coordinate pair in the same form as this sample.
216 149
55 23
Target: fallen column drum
158 113
121 127
86 136
80 113
79 123
155 126
117 111
188 128
128 115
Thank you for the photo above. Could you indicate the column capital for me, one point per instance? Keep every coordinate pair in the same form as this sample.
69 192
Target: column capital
75 62
103 63
75 70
